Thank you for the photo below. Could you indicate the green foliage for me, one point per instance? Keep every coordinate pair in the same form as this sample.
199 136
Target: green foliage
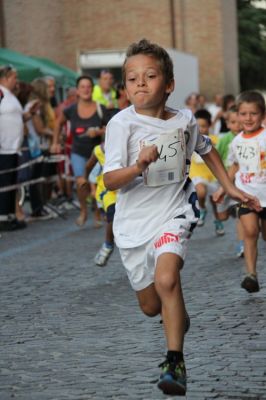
252 45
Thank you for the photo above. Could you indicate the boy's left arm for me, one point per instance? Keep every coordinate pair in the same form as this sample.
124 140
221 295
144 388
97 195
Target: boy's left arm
215 164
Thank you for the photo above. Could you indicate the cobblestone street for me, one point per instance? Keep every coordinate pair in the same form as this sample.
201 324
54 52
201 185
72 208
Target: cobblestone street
72 330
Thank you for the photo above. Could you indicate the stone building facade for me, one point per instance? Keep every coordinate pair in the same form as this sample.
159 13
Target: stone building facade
61 29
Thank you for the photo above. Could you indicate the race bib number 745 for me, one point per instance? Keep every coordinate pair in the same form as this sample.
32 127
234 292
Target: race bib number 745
171 164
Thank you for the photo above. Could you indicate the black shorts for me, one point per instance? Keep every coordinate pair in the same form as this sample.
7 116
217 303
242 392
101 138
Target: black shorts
110 212
244 210
49 169
8 199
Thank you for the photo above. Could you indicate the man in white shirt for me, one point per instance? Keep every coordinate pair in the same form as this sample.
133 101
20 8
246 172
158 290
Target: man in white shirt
11 136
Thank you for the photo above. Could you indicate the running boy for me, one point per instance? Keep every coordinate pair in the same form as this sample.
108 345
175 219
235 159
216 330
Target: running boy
222 147
105 201
202 178
148 149
247 155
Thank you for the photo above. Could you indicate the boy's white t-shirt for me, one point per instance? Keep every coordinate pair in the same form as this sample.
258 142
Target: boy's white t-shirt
141 210
249 152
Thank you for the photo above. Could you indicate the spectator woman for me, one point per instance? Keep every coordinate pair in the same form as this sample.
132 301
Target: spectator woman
87 120
38 133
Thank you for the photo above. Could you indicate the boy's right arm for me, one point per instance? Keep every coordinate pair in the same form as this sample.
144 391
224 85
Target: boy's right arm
116 179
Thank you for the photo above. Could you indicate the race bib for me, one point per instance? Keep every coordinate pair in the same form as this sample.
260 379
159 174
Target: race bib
248 156
171 164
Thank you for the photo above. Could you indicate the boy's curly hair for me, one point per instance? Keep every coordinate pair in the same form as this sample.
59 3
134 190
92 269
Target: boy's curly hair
251 96
144 46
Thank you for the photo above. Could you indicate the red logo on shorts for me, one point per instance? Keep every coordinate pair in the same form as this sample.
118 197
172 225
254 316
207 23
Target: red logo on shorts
166 238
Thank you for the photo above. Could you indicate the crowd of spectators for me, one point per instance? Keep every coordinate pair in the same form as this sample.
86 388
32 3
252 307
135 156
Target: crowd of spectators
44 144
34 125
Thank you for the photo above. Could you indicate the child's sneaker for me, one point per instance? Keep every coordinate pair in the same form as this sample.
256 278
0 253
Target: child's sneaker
250 283
240 249
173 379
42 215
103 255
202 217
219 227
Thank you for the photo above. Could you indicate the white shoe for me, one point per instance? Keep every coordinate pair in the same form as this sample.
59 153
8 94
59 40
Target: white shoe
240 249
103 255
201 220
219 228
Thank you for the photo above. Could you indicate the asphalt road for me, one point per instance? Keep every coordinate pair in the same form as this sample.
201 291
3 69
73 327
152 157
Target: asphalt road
72 330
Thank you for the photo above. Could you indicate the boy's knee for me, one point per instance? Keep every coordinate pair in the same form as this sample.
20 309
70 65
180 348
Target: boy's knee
167 282
251 233
223 216
150 310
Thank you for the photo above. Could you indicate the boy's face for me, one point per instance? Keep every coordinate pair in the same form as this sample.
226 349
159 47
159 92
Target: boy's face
250 116
203 125
145 83
233 123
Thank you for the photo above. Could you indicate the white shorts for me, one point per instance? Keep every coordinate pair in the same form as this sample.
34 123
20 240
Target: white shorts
211 186
140 262
226 204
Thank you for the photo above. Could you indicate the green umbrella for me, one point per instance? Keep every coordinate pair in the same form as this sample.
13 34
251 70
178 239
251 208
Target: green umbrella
69 75
20 61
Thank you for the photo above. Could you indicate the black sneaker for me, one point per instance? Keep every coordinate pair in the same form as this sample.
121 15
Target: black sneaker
173 379
12 225
250 283
41 215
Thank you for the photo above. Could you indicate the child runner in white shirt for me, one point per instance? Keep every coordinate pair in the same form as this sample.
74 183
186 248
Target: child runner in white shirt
223 147
148 152
202 178
247 157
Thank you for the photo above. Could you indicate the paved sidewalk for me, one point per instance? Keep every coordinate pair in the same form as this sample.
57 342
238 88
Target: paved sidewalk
71 330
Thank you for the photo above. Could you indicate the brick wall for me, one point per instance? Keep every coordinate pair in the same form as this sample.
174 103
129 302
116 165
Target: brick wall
203 38
60 29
